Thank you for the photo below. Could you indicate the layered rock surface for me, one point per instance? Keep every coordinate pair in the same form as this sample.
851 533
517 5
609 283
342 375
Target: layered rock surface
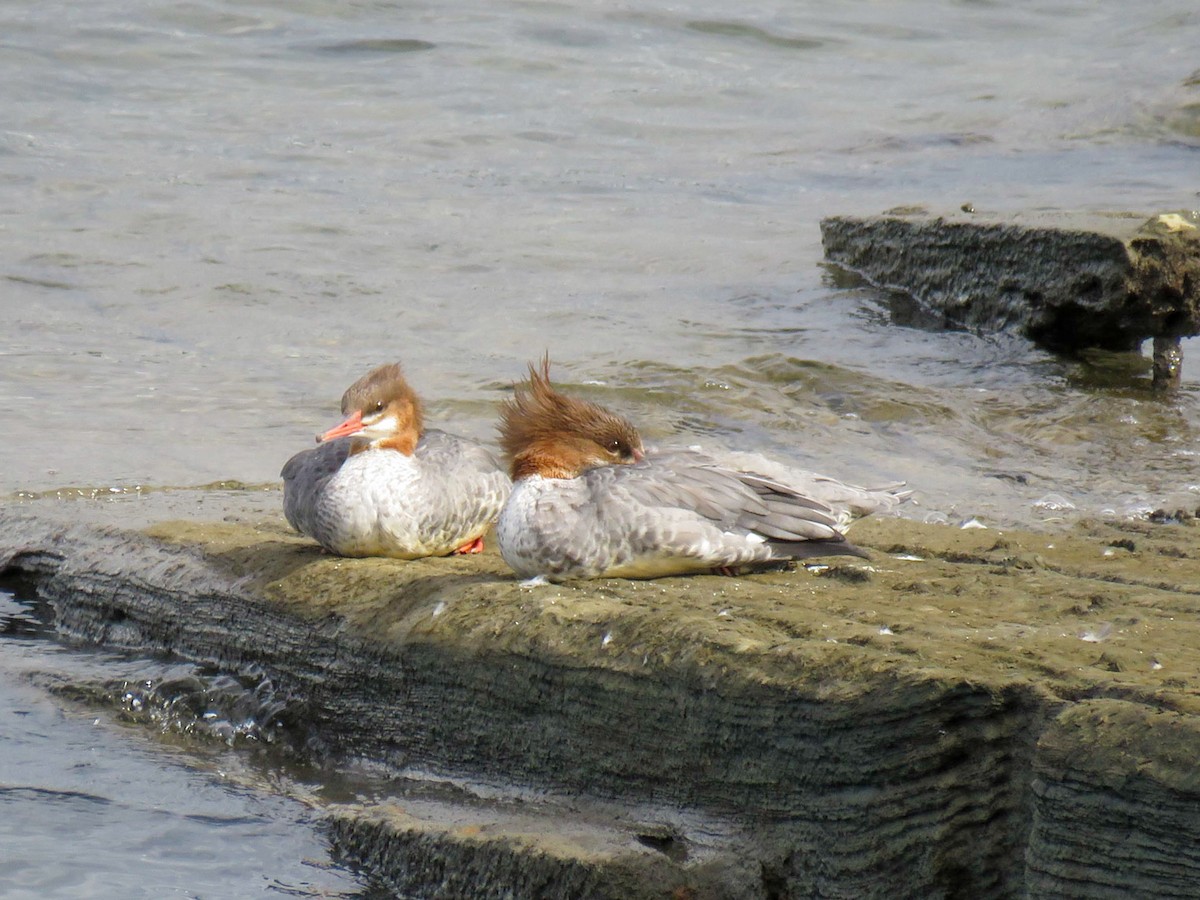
1068 282
976 714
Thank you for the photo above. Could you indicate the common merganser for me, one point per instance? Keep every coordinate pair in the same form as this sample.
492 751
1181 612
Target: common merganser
589 501
379 484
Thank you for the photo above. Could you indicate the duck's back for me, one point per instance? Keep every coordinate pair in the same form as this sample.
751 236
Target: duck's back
672 514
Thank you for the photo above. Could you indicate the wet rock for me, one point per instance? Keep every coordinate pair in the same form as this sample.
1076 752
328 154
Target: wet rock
1068 282
777 735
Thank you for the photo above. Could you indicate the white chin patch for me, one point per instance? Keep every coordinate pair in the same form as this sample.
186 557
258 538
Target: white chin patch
381 429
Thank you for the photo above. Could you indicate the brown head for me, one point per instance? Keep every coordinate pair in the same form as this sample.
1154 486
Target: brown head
382 411
550 434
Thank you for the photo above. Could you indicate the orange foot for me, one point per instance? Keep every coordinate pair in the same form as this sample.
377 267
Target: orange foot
475 546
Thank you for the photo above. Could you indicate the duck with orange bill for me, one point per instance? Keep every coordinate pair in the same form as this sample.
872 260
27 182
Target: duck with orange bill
381 484
589 500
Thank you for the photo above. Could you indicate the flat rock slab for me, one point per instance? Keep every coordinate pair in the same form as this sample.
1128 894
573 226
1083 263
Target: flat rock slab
1068 282
951 720
502 854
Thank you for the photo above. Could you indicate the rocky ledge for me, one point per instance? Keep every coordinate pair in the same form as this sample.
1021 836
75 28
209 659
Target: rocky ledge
976 713
1067 281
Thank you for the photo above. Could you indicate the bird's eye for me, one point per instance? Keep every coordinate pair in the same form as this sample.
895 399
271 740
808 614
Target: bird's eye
617 447
378 406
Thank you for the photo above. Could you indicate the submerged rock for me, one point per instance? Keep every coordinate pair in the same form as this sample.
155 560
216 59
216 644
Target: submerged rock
949 723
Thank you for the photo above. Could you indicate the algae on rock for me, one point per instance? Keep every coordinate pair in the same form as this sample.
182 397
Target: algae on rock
789 733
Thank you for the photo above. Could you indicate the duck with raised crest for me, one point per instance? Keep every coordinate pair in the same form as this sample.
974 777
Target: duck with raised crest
589 501
380 484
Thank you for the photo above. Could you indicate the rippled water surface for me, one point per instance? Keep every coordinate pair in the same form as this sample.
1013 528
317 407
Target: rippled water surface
214 216
217 215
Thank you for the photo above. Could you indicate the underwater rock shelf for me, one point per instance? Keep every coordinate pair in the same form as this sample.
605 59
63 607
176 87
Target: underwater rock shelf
977 714
1068 282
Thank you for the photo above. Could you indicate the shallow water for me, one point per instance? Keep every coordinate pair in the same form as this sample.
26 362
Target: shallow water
89 808
217 215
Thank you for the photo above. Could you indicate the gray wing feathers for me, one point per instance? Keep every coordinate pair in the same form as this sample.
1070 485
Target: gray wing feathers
305 476
730 499
438 449
717 499
733 503
472 479
848 501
